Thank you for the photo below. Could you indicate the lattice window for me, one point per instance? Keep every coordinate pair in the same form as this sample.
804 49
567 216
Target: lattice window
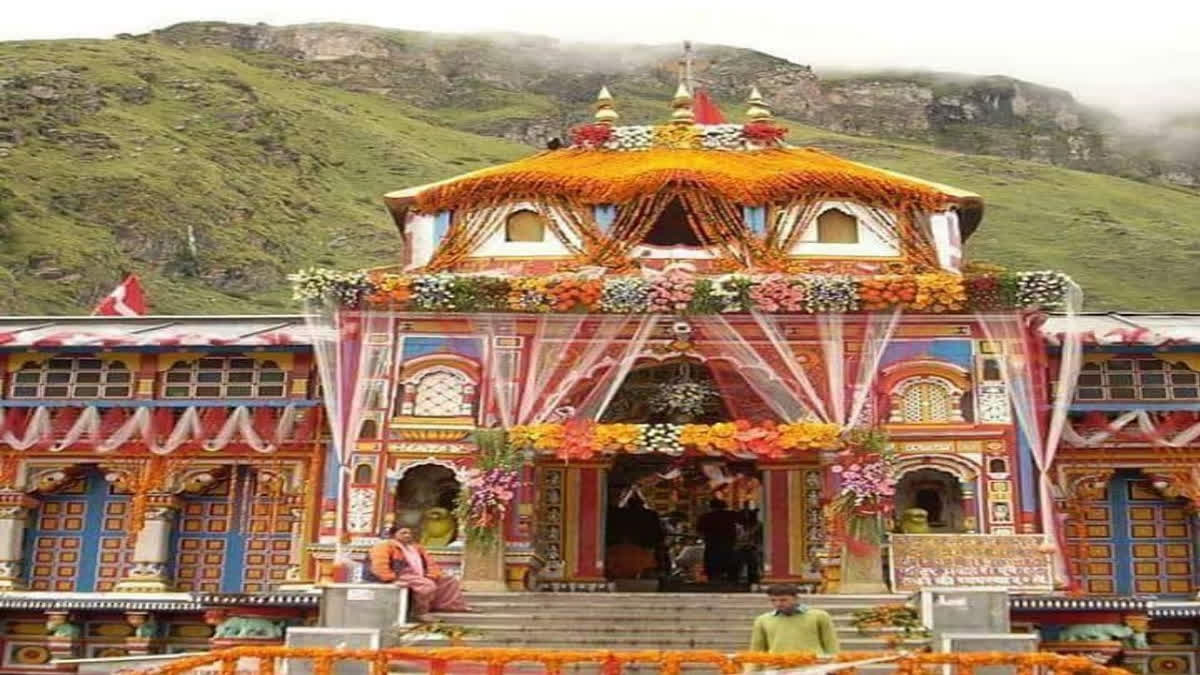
1147 379
440 394
72 377
926 403
224 377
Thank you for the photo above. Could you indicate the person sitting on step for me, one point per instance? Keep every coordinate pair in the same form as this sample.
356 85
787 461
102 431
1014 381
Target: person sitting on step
400 560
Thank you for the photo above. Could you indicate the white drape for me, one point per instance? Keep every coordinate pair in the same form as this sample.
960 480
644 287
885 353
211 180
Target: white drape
86 427
626 354
788 398
1020 343
1145 425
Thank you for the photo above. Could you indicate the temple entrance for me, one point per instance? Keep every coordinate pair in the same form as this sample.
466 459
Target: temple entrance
938 494
683 523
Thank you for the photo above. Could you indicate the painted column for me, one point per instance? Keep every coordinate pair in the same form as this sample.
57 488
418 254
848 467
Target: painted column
586 497
970 506
14 513
777 534
151 552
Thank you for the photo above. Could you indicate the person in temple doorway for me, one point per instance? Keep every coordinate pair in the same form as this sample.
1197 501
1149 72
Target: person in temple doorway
719 528
793 627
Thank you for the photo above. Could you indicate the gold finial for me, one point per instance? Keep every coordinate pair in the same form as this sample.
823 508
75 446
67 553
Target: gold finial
758 111
682 103
605 114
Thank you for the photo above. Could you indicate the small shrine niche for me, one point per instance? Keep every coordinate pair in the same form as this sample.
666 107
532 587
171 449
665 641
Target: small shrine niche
936 492
426 497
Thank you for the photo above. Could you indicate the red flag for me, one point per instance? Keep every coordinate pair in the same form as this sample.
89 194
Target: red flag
705 110
127 299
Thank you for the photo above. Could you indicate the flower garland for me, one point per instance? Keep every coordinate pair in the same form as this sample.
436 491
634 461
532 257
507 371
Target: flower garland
440 659
683 293
866 472
736 137
490 487
584 440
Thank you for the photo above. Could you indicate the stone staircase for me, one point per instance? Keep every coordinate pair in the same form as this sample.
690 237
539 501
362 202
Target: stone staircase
646 621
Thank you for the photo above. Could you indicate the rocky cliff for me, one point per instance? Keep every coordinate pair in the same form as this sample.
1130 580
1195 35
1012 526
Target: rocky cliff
529 89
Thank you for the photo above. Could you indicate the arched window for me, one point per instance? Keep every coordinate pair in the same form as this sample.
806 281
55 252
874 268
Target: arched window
441 393
837 227
224 377
525 225
364 474
72 377
926 402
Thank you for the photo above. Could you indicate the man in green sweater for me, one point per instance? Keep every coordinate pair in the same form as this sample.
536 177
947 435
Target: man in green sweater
792 627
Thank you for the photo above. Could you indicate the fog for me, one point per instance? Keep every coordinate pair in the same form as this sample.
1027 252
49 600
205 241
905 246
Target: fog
1141 60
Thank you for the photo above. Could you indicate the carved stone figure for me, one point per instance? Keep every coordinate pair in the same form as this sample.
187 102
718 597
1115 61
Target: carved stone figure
914 521
1102 632
248 627
437 528
147 629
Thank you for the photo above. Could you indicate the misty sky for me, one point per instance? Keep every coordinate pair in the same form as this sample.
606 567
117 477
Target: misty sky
1139 58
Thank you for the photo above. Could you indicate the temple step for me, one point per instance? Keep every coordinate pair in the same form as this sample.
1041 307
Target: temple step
650 621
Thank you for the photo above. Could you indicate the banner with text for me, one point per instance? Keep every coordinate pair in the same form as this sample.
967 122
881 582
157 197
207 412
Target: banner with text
1014 561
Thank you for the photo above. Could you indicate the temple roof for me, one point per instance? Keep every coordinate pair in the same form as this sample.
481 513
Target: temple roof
55 332
596 176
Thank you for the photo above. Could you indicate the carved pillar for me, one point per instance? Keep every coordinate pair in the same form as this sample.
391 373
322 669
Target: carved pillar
151 552
298 571
1081 489
14 513
970 506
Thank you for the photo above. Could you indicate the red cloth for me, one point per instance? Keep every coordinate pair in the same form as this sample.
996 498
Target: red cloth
127 299
705 110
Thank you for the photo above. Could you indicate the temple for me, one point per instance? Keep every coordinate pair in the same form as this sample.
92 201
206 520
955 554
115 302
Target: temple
685 357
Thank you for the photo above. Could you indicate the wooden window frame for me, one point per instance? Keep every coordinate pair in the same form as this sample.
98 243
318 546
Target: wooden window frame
53 375
206 380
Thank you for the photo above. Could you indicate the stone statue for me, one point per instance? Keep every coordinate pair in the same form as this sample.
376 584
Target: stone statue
248 627
914 521
64 630
437 528
146 629
1102 632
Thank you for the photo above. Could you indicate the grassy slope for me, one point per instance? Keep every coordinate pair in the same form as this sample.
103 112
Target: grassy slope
1130 245
302 186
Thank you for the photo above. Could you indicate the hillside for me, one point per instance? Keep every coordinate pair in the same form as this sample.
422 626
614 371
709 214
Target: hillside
215 170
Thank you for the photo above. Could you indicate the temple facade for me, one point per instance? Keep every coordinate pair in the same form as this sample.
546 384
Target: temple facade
589 355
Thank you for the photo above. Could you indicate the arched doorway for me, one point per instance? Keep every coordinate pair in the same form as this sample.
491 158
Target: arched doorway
426 497
663 523
939 493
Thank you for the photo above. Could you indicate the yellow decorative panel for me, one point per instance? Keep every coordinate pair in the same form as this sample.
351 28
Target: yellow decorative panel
1145 551
1145 568
1175 531
1179 586
1099 551
1097 513
1141 513
1178 551
1178 568
1100 531
1100 586
1174 514
1143 531
1147 586
1168 638
1099 568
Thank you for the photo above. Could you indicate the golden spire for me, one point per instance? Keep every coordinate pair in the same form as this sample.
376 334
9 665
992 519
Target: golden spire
605 114
758 111
682 103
